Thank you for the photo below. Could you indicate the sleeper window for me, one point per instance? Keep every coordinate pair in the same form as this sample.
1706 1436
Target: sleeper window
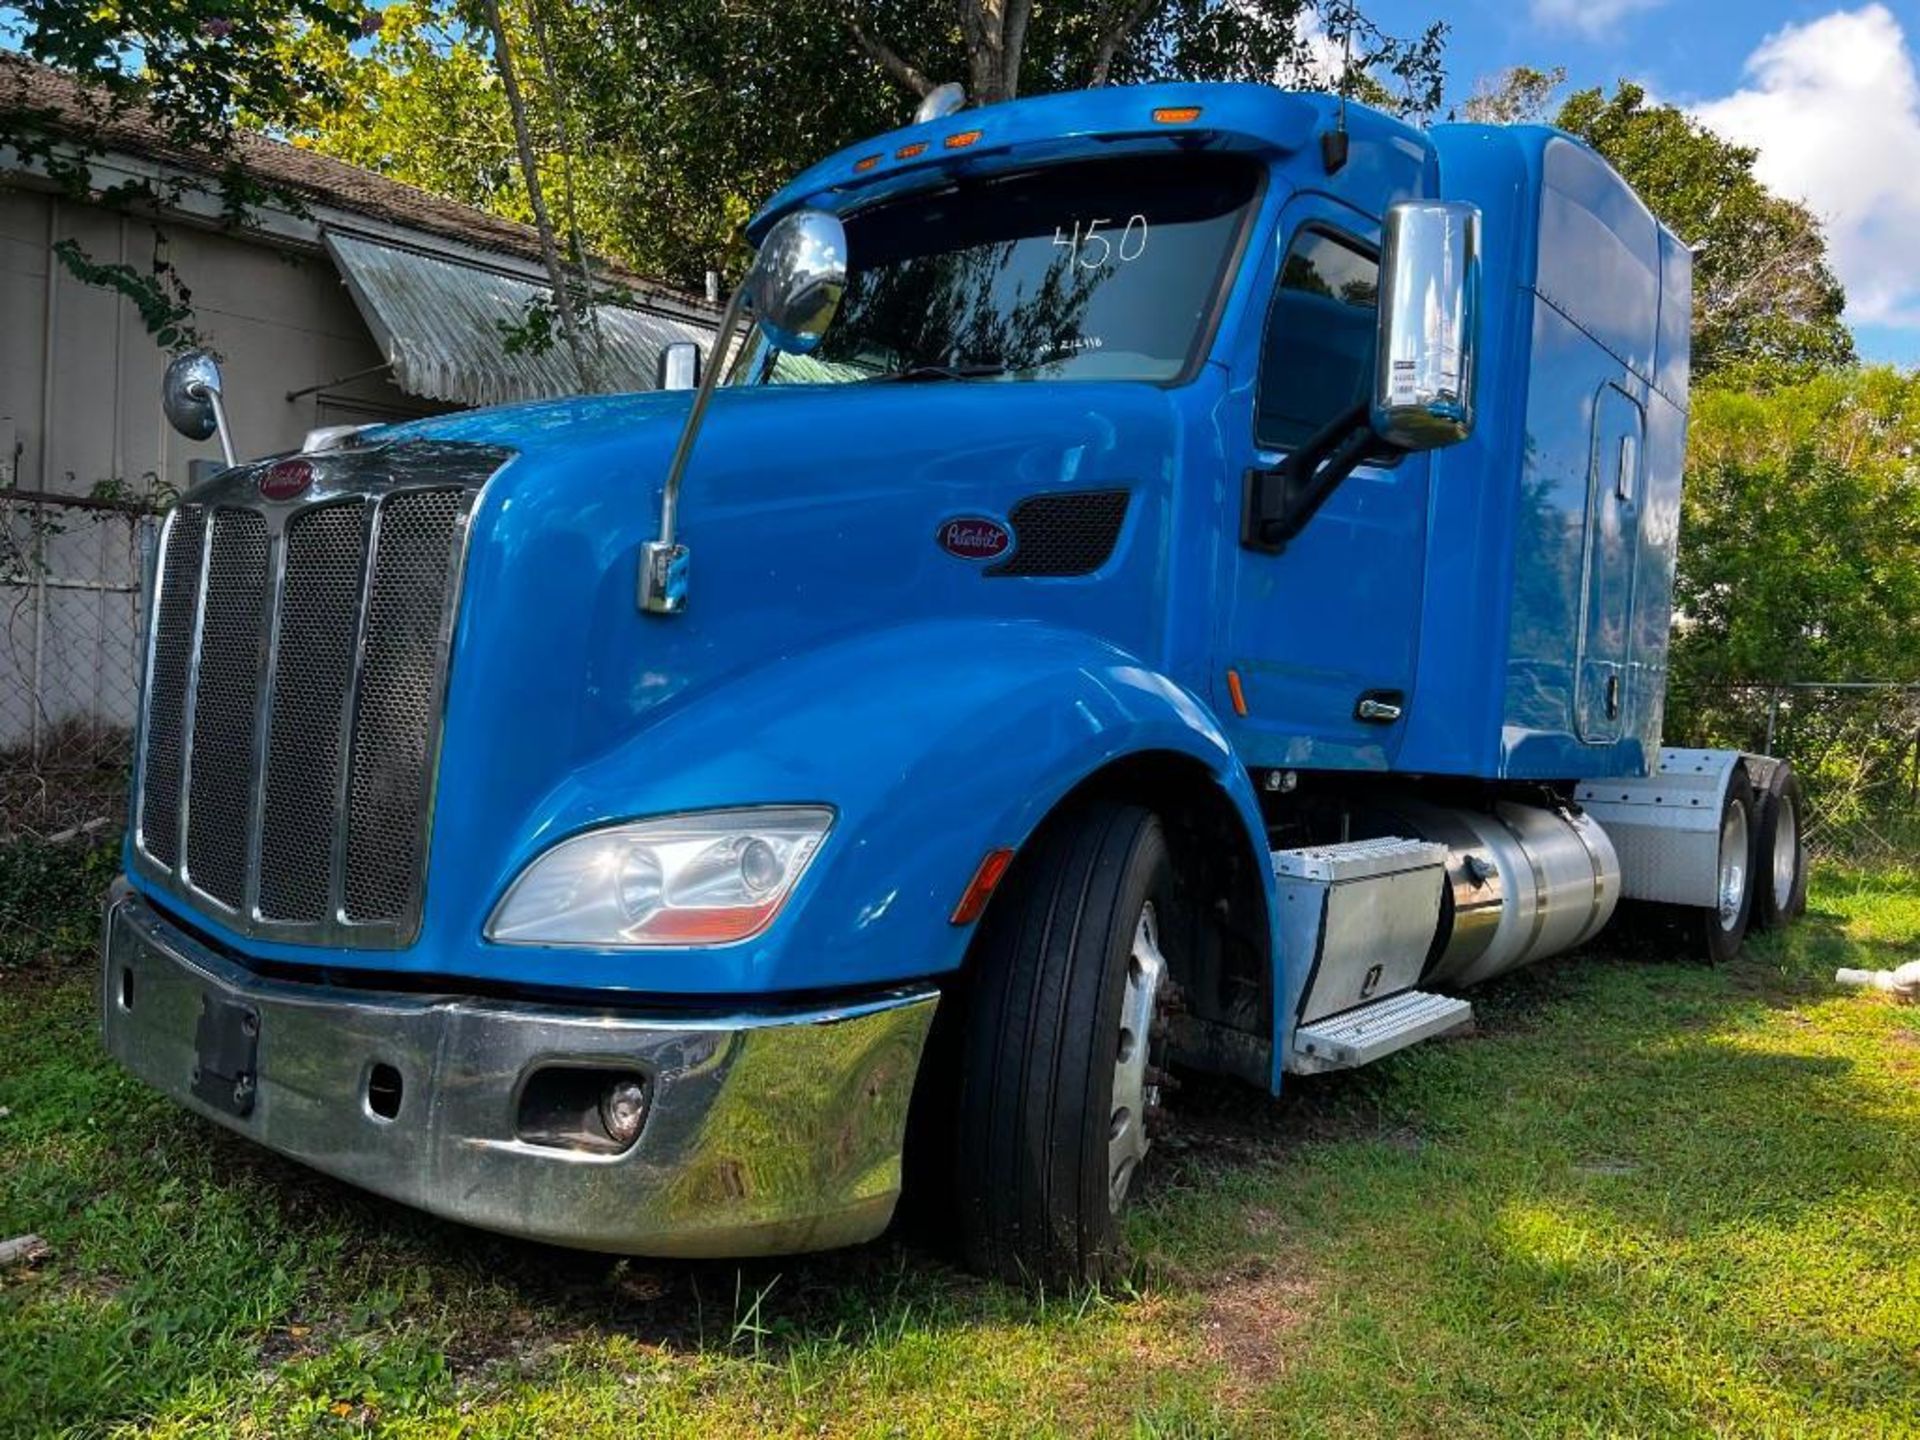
1317 360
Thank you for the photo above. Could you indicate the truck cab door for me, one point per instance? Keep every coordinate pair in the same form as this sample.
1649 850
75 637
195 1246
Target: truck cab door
1606 606
1321 638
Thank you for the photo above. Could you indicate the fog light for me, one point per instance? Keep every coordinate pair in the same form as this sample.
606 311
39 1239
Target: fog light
623 1109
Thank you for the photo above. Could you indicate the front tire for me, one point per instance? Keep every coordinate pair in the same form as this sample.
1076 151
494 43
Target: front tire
1057 1089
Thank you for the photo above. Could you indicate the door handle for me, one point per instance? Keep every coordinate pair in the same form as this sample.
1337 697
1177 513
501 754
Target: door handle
1381 707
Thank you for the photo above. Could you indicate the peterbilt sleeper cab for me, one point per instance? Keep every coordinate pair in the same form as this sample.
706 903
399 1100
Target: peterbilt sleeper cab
1170 576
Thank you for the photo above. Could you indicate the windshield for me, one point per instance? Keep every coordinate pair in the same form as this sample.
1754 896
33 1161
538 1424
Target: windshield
1104 270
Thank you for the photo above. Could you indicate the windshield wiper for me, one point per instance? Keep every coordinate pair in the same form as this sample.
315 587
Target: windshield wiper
981 371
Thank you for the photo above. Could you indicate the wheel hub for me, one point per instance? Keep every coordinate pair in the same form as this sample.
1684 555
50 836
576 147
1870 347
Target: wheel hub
1733 866
1136 1092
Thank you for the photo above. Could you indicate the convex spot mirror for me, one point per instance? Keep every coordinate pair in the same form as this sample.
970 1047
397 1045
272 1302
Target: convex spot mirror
188 395
798 278
1423 394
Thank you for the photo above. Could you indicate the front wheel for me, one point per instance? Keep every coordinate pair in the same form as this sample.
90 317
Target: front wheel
1058 1090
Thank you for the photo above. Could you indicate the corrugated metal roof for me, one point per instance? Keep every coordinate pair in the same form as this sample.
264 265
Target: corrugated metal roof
438 321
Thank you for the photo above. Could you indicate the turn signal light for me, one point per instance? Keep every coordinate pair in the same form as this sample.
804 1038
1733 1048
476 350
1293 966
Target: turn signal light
1176 115
973 901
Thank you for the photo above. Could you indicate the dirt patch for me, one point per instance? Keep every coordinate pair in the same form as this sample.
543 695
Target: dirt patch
1248 1320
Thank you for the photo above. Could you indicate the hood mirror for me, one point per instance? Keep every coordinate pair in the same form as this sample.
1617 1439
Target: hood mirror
1429 322
794 288
798 278
190 394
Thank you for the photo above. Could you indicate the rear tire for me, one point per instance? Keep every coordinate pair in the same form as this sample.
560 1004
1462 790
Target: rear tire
1779 851
1056 1084
1723 926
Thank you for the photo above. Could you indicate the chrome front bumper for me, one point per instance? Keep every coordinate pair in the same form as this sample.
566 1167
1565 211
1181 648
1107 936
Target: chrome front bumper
768 1133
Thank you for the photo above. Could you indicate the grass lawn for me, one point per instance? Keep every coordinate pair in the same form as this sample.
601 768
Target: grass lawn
1644 1198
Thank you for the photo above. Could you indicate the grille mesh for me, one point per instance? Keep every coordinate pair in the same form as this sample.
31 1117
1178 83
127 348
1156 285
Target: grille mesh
298 658
313 668
387 803
1072 534
167 685
226 701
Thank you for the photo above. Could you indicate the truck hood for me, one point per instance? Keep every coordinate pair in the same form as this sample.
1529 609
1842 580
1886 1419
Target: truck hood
812 515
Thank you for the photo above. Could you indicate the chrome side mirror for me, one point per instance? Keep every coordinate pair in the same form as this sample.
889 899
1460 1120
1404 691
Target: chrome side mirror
678 367
794 287
1423 390
190 396
798 278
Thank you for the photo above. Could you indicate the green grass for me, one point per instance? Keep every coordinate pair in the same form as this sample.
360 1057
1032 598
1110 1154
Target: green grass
1644 1198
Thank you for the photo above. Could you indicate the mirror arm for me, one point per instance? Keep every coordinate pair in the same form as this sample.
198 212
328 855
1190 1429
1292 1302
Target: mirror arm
1279 503
220 422
663 562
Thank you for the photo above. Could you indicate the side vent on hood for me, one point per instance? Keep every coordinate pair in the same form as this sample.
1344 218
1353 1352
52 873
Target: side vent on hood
1064 534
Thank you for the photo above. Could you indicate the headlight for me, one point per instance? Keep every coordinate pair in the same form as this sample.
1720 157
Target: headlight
710 878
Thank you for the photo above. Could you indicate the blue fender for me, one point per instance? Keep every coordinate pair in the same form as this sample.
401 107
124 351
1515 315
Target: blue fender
935 743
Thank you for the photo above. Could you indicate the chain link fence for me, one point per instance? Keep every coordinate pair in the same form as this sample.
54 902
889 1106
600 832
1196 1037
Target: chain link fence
71 609
1854 744
72 572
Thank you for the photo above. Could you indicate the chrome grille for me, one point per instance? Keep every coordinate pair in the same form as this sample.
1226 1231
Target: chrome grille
297 663
171 664
401 668
226 702
312 678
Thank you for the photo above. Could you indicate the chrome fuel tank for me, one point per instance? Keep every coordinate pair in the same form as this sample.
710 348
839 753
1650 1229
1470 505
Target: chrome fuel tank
1524 882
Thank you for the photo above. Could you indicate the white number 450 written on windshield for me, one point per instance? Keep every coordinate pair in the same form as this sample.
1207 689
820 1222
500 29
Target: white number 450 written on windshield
1094 242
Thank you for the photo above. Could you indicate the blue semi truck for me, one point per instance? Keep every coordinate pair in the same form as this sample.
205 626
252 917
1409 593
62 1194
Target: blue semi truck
1166 576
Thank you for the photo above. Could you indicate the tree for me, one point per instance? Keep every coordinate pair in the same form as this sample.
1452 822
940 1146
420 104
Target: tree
1800 562
1520 95
1005 47
1766 305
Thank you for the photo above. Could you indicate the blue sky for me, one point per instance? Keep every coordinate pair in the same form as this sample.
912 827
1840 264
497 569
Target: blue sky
1826 91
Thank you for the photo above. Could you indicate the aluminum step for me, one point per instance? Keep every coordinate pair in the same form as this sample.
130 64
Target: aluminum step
1363 1035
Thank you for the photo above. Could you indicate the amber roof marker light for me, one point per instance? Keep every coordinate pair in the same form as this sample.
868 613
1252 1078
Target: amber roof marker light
866 162
907 152
1176 114
960 139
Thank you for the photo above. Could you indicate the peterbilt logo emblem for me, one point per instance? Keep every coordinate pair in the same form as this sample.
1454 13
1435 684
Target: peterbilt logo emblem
974 537
286 480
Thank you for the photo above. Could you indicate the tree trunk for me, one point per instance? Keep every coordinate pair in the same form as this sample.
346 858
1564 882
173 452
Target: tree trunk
542 220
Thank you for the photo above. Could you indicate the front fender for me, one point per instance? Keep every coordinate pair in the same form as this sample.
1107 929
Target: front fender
934 742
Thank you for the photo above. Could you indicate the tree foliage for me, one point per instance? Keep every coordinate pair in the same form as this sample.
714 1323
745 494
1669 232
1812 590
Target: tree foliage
1766 304
1800 562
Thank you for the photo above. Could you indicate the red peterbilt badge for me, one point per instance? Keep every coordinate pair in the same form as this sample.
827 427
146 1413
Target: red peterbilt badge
286 480
974 537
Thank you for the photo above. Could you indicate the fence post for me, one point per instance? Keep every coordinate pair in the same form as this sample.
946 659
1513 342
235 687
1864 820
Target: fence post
1773 715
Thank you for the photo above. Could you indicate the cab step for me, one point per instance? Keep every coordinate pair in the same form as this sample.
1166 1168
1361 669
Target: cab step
1363 1035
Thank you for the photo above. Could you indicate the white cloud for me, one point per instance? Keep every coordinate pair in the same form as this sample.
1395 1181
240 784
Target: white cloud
1589 17
1833 107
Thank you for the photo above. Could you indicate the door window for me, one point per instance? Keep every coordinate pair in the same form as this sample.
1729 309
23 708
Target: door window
1317 358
